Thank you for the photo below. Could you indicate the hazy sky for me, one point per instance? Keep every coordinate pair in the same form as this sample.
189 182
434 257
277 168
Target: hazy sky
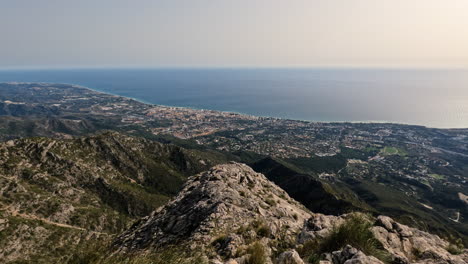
155 33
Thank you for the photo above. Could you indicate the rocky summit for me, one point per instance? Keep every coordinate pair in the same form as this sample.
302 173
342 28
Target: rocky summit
233 215
229 207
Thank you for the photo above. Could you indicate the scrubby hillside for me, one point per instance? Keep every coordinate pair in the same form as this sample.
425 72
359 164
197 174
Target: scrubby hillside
56 194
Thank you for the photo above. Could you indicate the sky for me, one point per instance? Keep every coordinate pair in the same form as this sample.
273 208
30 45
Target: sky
233 33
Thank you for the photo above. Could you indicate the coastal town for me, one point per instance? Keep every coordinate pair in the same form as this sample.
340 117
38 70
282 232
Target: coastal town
231 131
389 145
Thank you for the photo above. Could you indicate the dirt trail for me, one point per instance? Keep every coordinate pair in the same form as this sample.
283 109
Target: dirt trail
14 212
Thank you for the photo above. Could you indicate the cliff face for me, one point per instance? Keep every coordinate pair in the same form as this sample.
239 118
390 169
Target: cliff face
230 211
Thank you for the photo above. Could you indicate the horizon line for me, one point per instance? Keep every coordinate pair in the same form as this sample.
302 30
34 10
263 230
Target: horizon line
212 67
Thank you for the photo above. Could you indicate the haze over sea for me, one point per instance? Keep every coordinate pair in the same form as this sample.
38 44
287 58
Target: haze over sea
434 98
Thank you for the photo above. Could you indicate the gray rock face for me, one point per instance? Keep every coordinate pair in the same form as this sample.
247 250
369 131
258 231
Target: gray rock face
289 257
319 226
408 244
350 255
405 244
225 206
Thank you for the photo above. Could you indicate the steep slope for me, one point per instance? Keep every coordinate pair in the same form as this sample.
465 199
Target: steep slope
363 186
56 193
217 204
316 195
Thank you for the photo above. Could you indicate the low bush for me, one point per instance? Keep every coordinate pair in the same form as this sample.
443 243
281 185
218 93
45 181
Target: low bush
454 250
355 231
257 254
456 245
219 240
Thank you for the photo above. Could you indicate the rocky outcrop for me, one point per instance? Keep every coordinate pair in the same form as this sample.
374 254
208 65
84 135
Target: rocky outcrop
319 226
289 257
350 255
405 244
229 207
232 214
408 244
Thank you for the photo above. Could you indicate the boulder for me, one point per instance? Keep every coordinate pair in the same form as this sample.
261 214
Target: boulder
385 222
350 255
318 226
289 257
410 245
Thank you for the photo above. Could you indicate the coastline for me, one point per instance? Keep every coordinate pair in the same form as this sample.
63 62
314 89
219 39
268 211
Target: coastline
365 122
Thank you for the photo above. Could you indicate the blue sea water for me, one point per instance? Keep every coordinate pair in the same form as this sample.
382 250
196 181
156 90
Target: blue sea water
434 98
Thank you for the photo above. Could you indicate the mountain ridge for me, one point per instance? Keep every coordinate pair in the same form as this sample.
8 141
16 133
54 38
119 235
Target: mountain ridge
76 188
226 211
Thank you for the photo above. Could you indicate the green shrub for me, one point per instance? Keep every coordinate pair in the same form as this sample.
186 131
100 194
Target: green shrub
355 231
308 248
242 229
219 240
314 258
257 254
270 202
263 231
454 250
282 242
456 245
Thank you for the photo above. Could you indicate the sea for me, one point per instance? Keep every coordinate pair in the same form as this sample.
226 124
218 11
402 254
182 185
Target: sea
429 97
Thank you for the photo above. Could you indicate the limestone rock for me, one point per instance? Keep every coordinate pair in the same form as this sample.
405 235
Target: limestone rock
226 207
318 226
408 244
384 221
405 244
289 257
350 255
